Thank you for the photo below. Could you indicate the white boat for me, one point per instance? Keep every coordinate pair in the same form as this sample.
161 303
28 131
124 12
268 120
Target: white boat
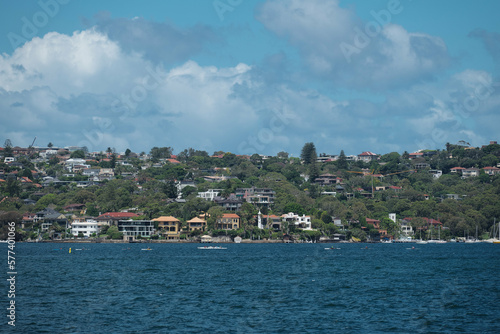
422 242
146 249
212 247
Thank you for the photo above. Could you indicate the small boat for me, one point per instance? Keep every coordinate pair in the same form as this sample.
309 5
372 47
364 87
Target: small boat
146 249
332 248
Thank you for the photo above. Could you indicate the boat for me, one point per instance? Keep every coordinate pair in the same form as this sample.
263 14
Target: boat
212 247
422 242
146 249
332 248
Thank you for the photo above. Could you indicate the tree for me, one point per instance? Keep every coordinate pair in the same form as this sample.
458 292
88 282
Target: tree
161 152
342 161
127 152
308 154
77 154
50 145
282 155
113 233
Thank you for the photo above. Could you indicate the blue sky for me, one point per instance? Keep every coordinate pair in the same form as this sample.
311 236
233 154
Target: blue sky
249 76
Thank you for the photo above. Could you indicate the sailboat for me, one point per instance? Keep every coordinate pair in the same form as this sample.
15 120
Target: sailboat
438 241
493 239
497 241
421 242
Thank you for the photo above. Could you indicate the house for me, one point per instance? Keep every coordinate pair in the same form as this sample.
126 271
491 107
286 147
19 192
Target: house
415 155
457 170
436 173
470 172
169 226
47 217
228 221
327 179
368 156
111 218
259 196
86 228
74 207
272 222
492 170
382 233
196 224
210 194
183 184
131 229
406 227
422 165
303 222
106 174
232 203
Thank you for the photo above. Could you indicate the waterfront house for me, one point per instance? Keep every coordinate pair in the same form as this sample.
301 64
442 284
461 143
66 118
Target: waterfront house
228 221
131 229
303 222
86 228
169 227
112 218
196 224
47 217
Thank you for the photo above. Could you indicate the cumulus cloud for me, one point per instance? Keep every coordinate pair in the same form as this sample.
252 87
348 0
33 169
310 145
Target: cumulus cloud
338 46
85 61
86 89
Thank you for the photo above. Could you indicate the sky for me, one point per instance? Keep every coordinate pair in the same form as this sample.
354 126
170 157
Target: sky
250 76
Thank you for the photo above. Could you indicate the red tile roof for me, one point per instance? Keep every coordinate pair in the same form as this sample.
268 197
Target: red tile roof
230 215
118 215
367 153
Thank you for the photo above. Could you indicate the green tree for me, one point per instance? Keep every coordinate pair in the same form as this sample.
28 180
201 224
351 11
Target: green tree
78 154
342 161
308 154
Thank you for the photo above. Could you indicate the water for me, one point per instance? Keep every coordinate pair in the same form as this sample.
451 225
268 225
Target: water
257 288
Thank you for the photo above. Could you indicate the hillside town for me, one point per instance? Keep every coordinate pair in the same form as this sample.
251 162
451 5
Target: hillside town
57 194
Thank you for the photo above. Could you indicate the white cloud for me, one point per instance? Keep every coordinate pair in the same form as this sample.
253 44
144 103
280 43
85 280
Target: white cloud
338 46
67 90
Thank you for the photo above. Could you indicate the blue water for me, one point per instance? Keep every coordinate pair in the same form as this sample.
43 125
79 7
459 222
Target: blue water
257 288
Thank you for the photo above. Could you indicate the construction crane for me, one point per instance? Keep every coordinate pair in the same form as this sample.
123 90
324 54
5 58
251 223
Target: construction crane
30 148
372 174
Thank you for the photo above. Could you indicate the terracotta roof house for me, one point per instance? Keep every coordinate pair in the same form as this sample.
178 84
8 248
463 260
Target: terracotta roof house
367 156
170 227
457 170
492 170
196 224
228 221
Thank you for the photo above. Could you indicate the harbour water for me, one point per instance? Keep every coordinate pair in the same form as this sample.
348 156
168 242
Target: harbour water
257 288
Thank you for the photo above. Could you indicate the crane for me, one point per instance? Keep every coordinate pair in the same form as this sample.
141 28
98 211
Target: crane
30 148
372 173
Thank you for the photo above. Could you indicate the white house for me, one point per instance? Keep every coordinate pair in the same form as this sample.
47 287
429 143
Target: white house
210 194
303 222
87 228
